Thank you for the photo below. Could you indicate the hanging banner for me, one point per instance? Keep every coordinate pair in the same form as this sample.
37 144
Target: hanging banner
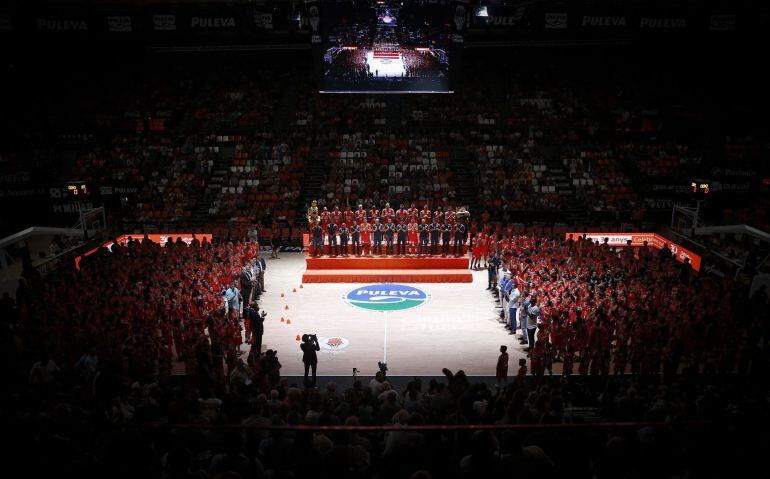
119 23
556 21
164 23
636 240
162 239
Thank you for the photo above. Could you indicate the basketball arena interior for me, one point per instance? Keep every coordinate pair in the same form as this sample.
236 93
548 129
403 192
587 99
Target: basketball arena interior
262 239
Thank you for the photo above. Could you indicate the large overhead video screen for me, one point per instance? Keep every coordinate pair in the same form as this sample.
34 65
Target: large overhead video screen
385 47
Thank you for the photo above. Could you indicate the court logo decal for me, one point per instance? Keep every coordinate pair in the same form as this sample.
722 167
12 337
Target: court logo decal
335 343
386 297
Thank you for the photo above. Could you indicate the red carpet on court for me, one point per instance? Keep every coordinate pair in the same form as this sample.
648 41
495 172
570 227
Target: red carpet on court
387 262
387 269
388 276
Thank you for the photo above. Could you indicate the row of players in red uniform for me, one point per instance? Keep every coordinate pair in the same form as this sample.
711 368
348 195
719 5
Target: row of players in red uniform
400 216
421 227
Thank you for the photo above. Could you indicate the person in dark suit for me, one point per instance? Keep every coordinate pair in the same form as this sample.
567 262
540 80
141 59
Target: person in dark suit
459 238
256 323
332 231
318 240
446 235
390 231
246 281
424 231
344 235
401 231
377 230
309 348
261 277
492 266
355 234
435 233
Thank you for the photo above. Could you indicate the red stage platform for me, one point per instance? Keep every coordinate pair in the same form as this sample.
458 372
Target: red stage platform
387 269
386 262
387 276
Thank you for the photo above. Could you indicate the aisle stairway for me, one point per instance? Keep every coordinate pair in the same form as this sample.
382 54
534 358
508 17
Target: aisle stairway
393 111
464 176
222 163
573 212
286 111
312 182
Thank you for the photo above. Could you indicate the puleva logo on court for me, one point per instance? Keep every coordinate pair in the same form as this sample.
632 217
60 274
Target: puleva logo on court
386 297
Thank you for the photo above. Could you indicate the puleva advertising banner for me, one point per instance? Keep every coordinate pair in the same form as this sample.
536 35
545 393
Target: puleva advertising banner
637 239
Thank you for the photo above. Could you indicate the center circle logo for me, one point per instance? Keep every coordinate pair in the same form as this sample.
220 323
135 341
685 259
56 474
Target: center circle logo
386 297
335 343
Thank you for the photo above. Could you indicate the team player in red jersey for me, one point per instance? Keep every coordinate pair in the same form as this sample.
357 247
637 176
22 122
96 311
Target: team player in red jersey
483 251
325 218
401 215
479 242
366 239
426 215
336 216
414 214
490 248
438 215
449 215
347 216
476 242
360 215
413 237
388 214
373 216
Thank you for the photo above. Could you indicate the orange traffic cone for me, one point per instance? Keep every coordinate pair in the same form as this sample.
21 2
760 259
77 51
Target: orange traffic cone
288 321
282 295
286 307
301 286
298 337
282 320
294 290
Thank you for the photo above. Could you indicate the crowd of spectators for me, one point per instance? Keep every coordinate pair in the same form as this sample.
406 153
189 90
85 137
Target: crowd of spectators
384 166
106 364
524 127
604 185
597 312
167 173
512 174
264 179
420 63
88 377
155 309
348 64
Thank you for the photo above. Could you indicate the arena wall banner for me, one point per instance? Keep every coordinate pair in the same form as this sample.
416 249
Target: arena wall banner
163 22
119 23
556 20
600 21
461 17
522 17
312 21
161 238
62 24
5 22
470 21
637 240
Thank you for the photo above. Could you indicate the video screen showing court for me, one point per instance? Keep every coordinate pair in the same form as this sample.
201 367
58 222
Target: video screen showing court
386 47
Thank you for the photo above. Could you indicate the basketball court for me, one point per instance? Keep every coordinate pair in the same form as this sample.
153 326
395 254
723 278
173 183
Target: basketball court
384 67
416 328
